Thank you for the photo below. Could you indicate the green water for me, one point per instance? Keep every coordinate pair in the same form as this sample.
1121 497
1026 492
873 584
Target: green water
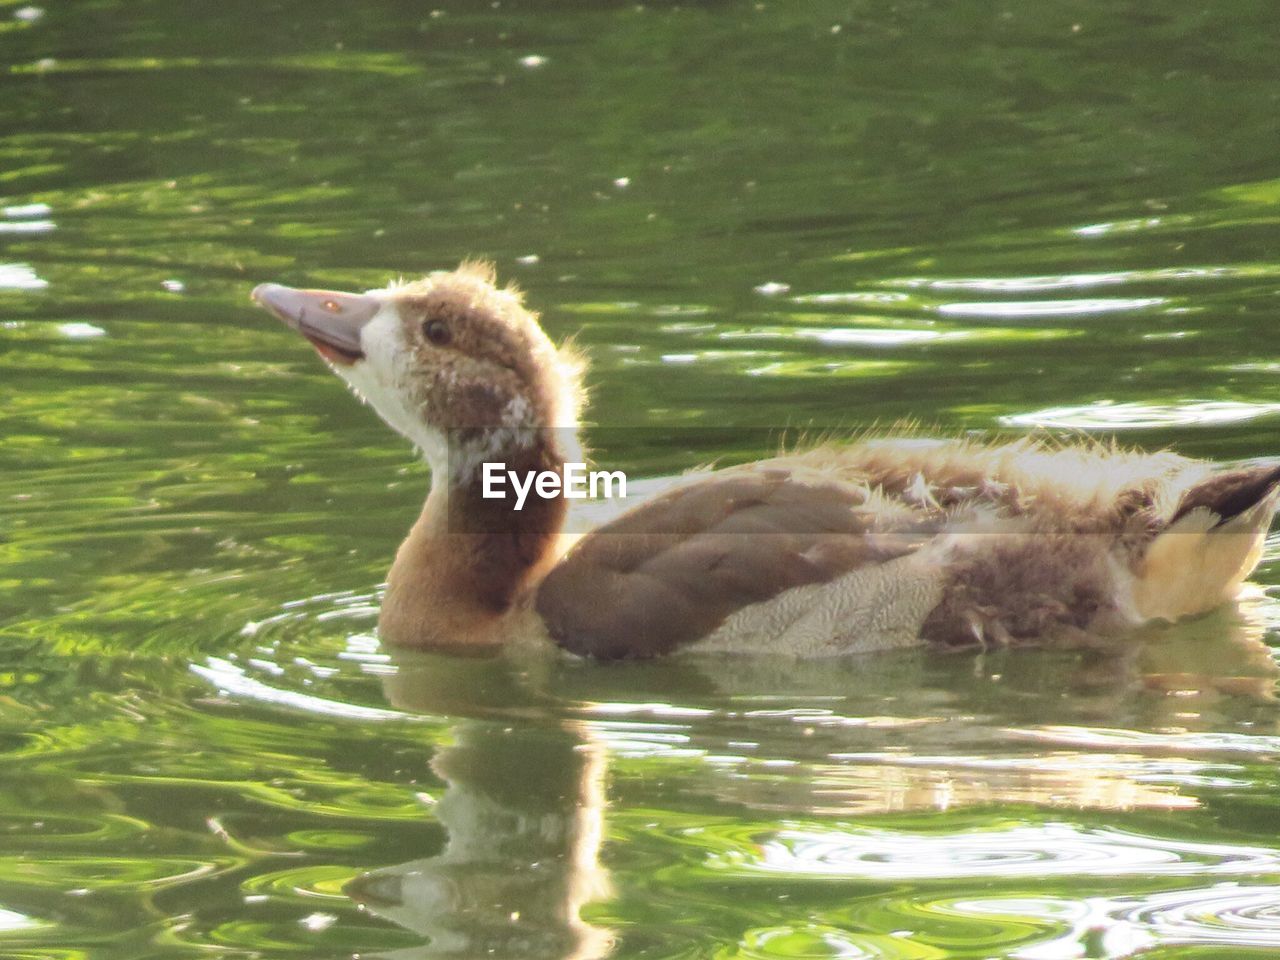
757 216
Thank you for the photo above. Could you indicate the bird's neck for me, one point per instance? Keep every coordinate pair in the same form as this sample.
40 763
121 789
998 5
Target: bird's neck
471 557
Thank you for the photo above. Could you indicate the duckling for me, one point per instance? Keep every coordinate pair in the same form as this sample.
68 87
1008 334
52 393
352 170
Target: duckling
881 543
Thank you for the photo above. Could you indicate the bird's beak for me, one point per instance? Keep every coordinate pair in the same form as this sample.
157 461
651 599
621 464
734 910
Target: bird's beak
331 321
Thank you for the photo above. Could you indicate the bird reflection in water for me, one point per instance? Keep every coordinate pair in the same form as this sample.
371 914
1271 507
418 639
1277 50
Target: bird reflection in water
522 810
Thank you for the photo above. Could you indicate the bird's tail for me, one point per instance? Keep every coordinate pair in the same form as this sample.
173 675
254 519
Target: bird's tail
1210 545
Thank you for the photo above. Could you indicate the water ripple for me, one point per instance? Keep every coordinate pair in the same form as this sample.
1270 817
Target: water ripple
235 681
1040 851
20 276
1048 308
1106 415
1224 915
1201 742
1230 915
1073 281
384 64
814 941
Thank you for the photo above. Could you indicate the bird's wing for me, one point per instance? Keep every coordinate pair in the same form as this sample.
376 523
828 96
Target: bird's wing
669 572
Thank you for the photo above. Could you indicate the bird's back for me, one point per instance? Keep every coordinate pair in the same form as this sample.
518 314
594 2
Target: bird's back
891 543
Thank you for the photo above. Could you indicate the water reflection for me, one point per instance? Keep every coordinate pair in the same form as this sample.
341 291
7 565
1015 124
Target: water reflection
1072 281
1048 308
986 772
1108 415
27 211
523 813
20 276
27 226
1040 851
1224 914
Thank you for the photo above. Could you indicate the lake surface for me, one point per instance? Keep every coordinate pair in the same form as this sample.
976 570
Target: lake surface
755 218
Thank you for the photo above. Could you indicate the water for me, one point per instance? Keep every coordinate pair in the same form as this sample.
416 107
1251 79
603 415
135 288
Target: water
760 217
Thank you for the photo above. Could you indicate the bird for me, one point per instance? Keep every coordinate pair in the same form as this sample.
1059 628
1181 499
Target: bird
882 542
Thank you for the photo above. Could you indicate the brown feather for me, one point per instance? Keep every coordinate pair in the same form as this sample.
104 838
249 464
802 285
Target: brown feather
1229 493
670 571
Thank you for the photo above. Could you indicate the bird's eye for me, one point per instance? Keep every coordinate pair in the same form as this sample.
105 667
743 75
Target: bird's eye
332 306
436 332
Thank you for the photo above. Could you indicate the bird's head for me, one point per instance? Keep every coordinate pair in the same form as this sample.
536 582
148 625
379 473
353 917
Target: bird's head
457 365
